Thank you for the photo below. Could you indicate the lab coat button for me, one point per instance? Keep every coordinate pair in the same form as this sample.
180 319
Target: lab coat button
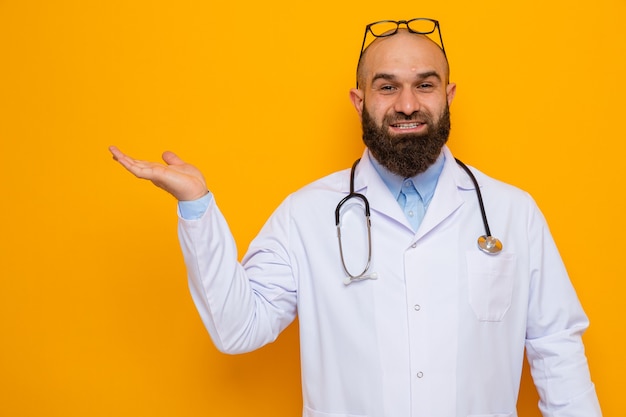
417 307
420 374
414 245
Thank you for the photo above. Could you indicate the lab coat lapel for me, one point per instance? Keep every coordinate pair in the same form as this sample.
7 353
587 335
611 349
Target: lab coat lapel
368 182
447 198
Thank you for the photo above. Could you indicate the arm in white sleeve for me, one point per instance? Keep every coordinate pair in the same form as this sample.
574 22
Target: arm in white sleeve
242 307
556 322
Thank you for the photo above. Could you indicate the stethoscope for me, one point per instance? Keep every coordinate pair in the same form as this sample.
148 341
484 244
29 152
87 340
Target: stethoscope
486 243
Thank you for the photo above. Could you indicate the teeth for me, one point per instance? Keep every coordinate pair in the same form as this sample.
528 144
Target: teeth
406 126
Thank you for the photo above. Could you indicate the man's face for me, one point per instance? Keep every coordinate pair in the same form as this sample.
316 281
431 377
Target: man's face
403 102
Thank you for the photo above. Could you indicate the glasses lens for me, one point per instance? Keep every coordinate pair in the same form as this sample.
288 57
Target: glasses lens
384 28
424 26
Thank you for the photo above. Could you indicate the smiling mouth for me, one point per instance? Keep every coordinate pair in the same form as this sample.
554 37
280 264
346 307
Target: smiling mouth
406 126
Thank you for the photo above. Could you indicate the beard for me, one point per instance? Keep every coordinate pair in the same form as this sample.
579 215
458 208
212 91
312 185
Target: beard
406 154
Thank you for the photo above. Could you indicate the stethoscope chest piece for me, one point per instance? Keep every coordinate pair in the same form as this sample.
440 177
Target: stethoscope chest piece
489 244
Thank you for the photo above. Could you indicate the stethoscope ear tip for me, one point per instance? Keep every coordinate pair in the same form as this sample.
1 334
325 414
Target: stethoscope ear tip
489 244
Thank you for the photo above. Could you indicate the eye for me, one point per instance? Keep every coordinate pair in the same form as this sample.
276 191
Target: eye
425 86
387 88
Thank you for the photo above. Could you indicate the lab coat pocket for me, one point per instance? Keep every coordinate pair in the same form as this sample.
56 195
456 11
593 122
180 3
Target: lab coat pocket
490 284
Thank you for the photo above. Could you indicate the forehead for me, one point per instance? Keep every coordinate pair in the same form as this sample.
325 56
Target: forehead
403 52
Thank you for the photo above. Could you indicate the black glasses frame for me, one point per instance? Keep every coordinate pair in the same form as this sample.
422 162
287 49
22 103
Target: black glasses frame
407 23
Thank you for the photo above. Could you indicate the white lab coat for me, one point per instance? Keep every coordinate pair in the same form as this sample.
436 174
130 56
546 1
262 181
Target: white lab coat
440 333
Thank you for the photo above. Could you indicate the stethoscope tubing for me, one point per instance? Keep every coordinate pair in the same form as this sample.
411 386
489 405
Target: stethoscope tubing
479 195
486 243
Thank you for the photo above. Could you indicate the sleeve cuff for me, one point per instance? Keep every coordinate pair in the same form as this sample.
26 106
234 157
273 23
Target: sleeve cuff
193 210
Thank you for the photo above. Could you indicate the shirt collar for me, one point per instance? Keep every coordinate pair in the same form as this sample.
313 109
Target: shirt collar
425 182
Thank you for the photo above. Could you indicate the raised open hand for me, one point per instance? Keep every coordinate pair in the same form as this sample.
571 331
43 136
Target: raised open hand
182 180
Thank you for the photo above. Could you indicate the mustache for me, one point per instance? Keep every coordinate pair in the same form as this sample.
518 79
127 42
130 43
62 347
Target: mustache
415 117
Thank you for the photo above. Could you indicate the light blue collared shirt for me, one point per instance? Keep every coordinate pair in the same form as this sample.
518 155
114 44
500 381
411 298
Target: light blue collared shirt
413 194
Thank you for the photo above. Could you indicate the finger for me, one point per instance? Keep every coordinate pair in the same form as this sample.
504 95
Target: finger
140 169
172 159
122 158
125 159
119 155
116 152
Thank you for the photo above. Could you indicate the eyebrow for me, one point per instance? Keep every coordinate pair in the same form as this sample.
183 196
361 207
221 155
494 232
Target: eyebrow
429 74
383 76
392 77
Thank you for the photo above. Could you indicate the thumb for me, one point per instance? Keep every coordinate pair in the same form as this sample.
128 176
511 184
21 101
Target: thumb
171 158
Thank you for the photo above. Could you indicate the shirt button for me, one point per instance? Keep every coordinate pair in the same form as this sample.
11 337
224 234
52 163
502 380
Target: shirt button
420 374
410 214
417 307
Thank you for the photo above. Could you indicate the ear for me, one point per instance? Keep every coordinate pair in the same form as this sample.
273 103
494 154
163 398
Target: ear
450 92
356 96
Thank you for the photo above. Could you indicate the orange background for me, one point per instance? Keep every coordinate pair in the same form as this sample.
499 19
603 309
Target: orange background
95 315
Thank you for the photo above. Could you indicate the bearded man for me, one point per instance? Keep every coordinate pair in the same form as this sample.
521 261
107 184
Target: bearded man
409 317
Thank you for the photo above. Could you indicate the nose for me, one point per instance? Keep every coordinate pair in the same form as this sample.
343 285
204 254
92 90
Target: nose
407 102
